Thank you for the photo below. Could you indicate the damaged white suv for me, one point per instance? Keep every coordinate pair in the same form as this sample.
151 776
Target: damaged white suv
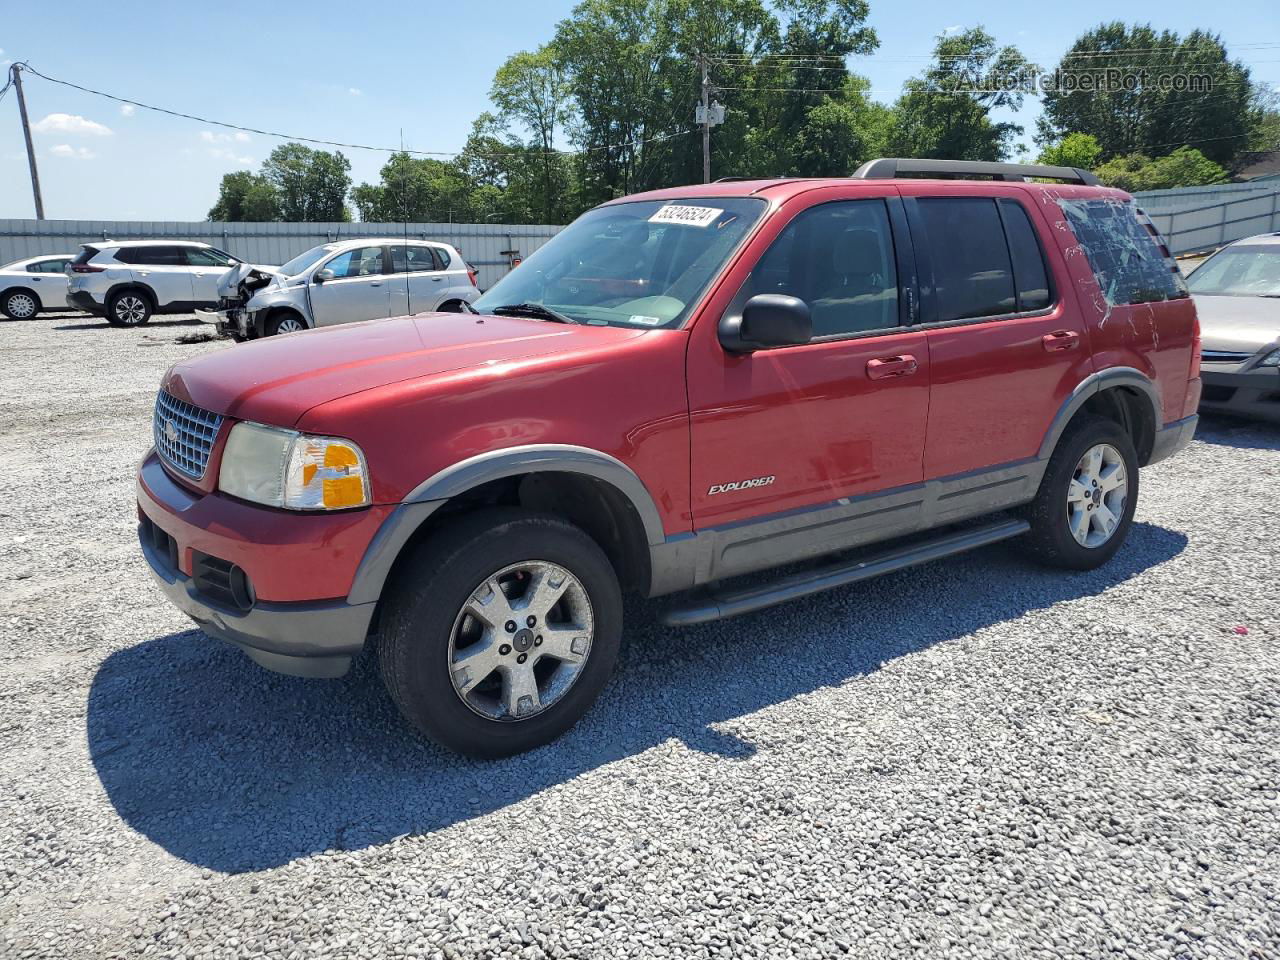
344 282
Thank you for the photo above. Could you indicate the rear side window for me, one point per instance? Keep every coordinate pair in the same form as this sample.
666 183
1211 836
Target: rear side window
47 266
1029 273
408 258
838 258
972 272
153 256
1123 251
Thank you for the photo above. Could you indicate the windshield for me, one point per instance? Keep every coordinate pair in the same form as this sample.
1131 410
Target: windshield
638 264
304 261
1247 271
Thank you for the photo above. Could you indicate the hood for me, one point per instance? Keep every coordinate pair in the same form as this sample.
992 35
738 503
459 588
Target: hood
1238 324
277 380
242 279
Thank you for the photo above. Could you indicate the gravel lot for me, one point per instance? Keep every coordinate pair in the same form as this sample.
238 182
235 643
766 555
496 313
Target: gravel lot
975 758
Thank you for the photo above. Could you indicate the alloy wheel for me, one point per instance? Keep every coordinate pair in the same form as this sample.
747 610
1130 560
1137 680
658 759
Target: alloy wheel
290 324
1097 495
21 306
521 640
130 309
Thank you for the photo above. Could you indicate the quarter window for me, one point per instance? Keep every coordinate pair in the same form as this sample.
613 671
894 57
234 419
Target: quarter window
1123 251
972 272
838 258
360 262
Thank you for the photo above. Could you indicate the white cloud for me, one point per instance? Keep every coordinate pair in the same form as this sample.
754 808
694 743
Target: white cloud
355 91
226 153
72 124
242 137
75 153
127 109
948 31
208 136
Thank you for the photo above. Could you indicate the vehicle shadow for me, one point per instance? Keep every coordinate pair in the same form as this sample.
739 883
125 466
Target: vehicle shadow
97 324
1227 431
233 768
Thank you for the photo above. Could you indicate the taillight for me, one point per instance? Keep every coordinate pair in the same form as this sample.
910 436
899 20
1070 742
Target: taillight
86 268
473 275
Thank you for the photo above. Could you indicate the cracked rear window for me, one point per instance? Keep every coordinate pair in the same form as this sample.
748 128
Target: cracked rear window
1129 263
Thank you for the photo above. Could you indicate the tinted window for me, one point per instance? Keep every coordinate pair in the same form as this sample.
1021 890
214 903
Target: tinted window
153 256
972 273
1123 252
1029 272
85 255
202 257
360 262
47 266
443 256
838 258
411 259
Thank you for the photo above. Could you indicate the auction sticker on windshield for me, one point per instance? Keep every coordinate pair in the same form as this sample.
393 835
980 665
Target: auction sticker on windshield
689 216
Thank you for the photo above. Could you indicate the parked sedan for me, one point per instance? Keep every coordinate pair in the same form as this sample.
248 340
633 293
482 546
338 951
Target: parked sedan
1237 294
342 283
35 284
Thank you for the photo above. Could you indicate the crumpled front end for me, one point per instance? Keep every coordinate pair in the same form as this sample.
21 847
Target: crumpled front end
235 312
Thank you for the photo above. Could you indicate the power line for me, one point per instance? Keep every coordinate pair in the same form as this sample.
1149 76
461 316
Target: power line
338 143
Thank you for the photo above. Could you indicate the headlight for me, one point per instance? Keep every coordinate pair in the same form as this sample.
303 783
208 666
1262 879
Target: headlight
284 468
1272 359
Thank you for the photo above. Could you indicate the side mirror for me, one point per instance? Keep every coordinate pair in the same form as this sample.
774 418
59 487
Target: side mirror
767 320
323 275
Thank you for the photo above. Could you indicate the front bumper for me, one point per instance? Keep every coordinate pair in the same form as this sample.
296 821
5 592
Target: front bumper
83 300
303 565
1241 390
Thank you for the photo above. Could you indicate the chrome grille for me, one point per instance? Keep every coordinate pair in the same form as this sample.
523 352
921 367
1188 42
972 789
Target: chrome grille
187 445
1223 356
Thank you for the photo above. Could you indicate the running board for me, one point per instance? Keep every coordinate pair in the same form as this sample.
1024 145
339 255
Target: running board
717 604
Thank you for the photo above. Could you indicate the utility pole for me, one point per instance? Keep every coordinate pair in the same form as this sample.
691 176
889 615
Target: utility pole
16 72
706 120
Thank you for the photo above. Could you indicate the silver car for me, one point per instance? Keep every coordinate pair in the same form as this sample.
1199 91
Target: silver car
35 284
1237 294
342 283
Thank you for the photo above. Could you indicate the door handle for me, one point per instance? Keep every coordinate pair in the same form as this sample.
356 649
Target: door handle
378 284
436 279
1060 340
884 367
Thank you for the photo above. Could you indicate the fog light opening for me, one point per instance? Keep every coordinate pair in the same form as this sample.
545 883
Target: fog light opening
241 589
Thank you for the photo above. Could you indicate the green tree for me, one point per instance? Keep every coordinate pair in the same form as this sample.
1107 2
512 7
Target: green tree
311 185
1185 167
531 89
245 196
1120 84
1074 150
946 112
841 132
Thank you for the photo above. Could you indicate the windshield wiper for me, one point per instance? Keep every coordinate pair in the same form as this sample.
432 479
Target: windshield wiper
531 310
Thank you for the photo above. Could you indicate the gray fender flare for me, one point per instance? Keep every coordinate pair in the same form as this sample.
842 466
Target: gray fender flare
1093 384
467 474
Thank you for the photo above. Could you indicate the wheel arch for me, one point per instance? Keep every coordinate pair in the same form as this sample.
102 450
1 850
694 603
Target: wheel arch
266 313
1122 394
589 488
135 286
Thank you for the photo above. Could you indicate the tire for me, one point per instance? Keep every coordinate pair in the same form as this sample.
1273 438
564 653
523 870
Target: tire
129 308
19 304
284 321
427 624
1053 516
451 306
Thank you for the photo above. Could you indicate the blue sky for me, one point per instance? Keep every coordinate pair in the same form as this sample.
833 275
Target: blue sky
349 73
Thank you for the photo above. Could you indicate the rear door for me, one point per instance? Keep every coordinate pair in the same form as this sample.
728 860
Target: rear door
1006 340
789 444
50 280
163 269
359 289
419 270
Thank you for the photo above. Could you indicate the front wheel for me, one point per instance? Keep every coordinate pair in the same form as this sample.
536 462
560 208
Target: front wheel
284 321
1084 508
19 305
500 632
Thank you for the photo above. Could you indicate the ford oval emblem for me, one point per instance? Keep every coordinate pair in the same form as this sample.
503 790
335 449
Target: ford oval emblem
171 431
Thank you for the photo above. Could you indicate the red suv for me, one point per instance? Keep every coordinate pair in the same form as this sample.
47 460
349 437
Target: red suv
680 388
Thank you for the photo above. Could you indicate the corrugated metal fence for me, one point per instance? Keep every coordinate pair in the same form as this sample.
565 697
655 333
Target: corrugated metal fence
489 247
1197 219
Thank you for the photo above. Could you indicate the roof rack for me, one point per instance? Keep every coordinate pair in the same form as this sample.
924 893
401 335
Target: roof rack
767 176
890 167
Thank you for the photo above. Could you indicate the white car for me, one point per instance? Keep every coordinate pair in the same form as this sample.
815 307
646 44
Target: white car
130 280
35 284
344 282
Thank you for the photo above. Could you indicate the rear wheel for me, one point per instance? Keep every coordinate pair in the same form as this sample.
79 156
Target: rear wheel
1084 508
500 632
129 308
19 305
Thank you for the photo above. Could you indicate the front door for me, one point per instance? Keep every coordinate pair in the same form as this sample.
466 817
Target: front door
805 449
358 290
208 269
1006 341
